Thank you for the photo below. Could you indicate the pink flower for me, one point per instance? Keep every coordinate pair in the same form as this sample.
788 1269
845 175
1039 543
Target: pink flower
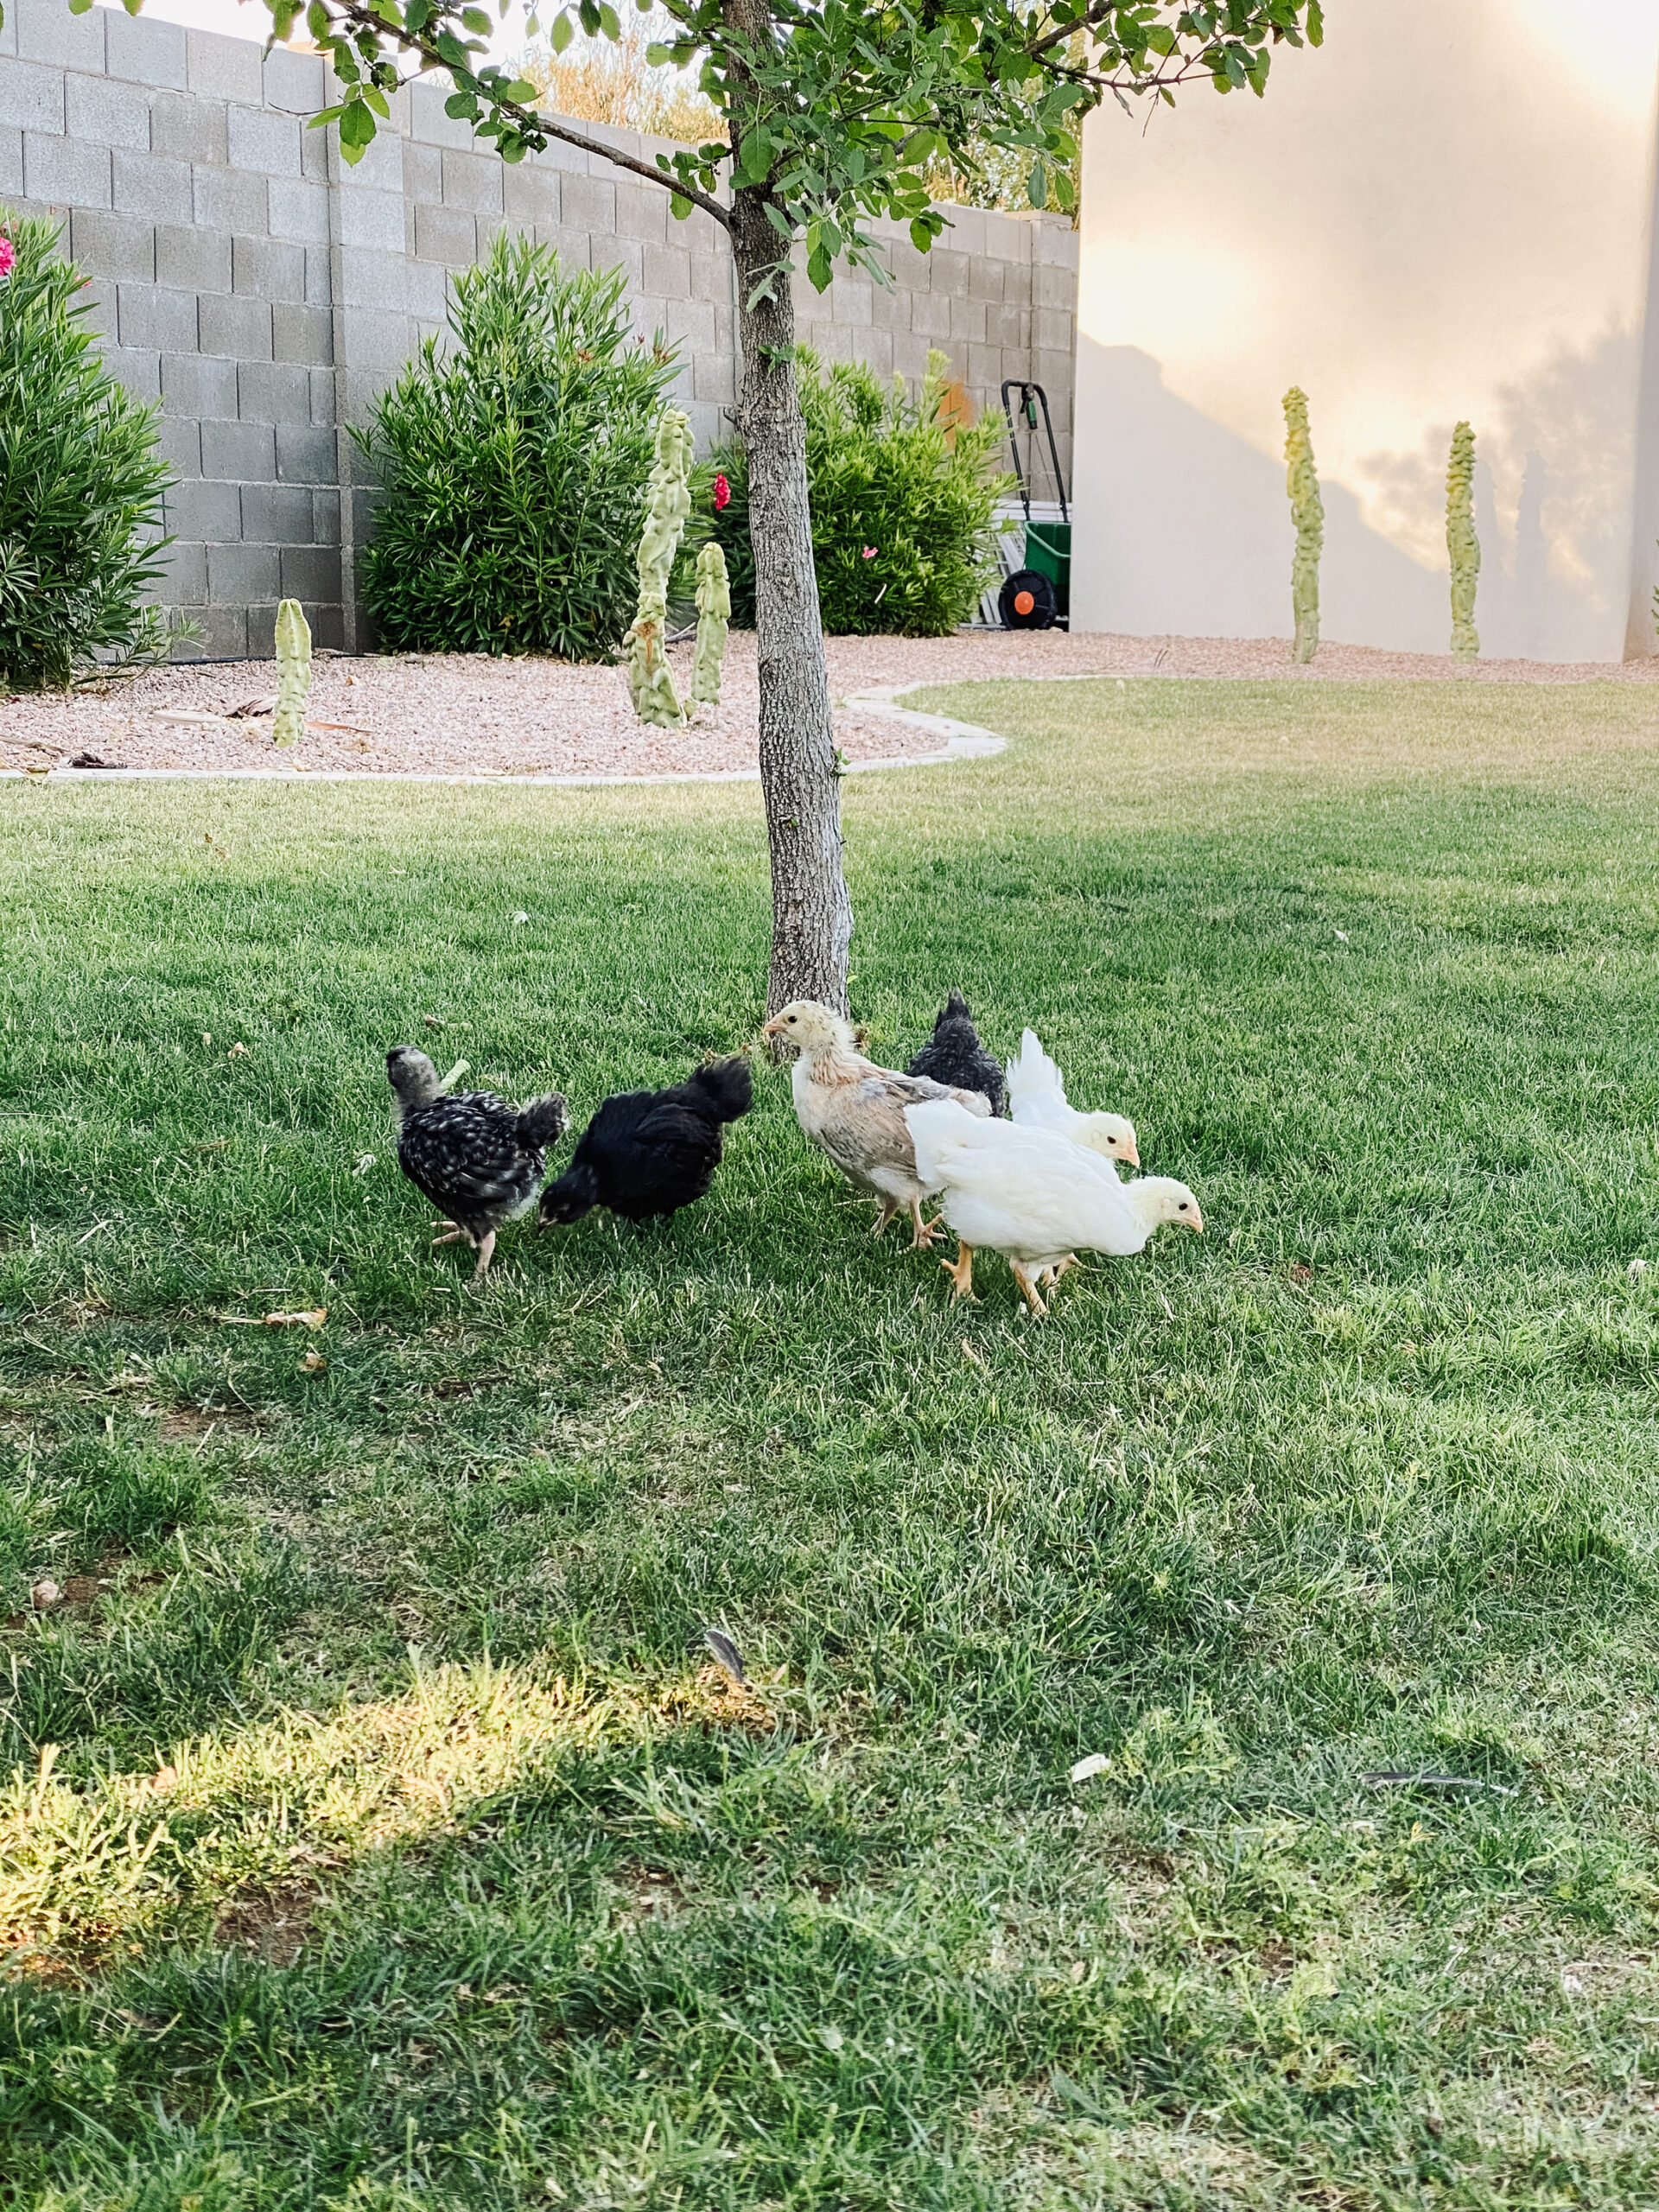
723 495
7 257
868 553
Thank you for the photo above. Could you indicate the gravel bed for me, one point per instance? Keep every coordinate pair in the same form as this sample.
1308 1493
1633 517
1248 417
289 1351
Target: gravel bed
466 715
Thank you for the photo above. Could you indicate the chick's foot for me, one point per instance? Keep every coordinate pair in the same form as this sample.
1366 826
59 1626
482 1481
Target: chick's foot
1027 1289
961 1274
926 1232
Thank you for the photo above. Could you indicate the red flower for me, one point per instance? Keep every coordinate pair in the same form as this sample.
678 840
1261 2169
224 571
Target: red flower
6 255
868 553
723 494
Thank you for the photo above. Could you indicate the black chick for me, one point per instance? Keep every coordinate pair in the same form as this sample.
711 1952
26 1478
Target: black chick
651 1152
478 1160
953 1055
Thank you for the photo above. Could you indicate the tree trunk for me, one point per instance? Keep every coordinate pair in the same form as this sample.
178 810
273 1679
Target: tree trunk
811 914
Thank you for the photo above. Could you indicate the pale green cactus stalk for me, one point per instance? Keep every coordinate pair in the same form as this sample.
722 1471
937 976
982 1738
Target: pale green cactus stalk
293 672
1307 510
668 502
713 613
1461 542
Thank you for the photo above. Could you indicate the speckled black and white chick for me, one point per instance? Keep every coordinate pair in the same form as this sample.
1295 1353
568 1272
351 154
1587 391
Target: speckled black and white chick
480 1160
954 1056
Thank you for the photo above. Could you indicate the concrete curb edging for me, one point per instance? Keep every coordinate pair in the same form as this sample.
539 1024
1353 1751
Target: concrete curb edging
964 742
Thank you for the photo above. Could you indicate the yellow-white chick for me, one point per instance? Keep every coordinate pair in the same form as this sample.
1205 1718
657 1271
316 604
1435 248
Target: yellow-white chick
1037 1101
1034 1196
856 1111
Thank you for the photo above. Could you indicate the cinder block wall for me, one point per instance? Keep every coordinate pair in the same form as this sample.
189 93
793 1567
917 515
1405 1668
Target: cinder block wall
263 292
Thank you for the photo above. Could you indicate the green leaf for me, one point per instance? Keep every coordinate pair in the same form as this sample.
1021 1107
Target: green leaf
1037 183
921 234
563 32
80 6
316 20
1315 23
476 21
677 207
328 116
610 22
657 55
356 126
520 90
462 106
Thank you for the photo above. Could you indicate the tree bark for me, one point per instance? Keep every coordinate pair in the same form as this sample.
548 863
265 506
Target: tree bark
811 914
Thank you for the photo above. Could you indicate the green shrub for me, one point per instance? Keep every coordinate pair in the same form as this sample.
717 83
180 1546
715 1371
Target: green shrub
514 466
80 485
890 473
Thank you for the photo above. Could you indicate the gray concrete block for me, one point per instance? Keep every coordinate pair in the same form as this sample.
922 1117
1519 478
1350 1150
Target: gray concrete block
315 159
179 439
328 627
688 324
968 322
574 248
711 278
427 120
367 278
266 144
642 214
297 210
224 200
209 512
304 334
426 291
1054 372
1009 237
372 218
144 52
224 68
276 514
667 273
423 173
238 453
107 114
305 454
11 162
1009 326
273 391
137 368
947 271
324 518
876 347
1050 330
571 161
239 328
448 235
152 316
297 84
262 632
588 203
967 233
379 169
64 173
98 301
118 246
32 96
268 268
198 385
984 368
187 128
53 34
224 632
472 182
194 258
319 278
531 194
310 572
150 185
605 252
9 32
987 279
323 383
930 315
713 379
186 582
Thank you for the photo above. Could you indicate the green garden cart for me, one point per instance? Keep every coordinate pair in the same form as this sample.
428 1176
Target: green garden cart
1039 595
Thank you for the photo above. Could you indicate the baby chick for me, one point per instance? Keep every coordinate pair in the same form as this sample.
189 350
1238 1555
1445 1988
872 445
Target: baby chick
480 1160
954 1056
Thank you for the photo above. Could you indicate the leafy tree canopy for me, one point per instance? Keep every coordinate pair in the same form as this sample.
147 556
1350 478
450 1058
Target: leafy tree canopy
838 112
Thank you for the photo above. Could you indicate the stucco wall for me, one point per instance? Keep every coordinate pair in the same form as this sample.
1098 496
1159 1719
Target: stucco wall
1445 213
263 292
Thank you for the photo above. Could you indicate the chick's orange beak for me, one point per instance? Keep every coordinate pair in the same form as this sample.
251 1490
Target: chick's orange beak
774 1027
1131 1153
1198 1221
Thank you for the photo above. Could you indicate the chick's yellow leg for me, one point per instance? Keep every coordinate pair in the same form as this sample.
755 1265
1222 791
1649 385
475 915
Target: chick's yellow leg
925 1231
962 1274
1028 1288
1050 1276
486 1251
889 1207
452 1234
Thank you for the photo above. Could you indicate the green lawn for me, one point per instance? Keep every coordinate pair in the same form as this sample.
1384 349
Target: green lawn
470 1884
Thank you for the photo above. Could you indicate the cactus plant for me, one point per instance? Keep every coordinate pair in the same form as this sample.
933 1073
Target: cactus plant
1307 510
714 614
293 672
1461 544
668 502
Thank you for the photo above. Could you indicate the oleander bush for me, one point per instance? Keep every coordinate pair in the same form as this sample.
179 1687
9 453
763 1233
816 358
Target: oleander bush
513 464
81 483
903 497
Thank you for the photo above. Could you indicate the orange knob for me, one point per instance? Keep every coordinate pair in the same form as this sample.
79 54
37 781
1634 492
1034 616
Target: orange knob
1023 602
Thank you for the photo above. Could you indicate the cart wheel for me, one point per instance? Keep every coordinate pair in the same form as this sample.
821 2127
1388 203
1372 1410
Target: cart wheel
1027 601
